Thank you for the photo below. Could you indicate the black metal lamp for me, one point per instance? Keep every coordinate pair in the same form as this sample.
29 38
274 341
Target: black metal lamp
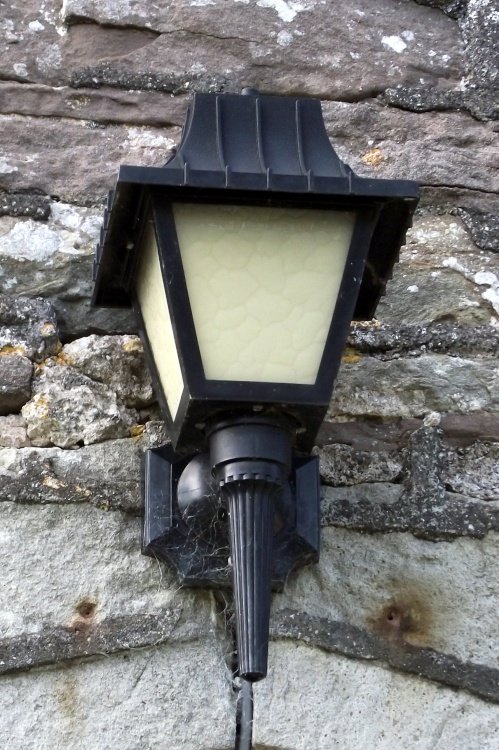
246 257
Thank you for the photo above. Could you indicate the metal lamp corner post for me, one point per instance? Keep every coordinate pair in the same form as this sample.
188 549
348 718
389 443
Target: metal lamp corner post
245 257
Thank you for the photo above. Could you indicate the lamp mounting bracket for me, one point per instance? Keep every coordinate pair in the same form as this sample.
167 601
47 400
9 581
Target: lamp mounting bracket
186 523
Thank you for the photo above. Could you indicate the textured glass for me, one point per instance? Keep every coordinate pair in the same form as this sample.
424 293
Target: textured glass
153 305
262 284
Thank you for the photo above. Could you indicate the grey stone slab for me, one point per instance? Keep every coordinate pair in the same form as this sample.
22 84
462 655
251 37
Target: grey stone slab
169 697
342 465
107 475
52 142
442 596
103 105
39 259
474 471
75 319
58 559
442 276
320 700
393 340
13 432
388 645
445 150
415 387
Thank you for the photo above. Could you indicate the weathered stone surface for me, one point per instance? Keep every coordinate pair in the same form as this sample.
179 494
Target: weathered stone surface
13 432
107 475
53 258
69 409
104 105
340 465
281 46
52 142
28 327
434 587
474 471
388 434
388 645
476 92
76 319
343 703
366 135
417 386
442 277
483 227
384 142
422 296
31 40
25 204
453 8
391 340
15 382
480 26
58 559
173 696
116 361
421 504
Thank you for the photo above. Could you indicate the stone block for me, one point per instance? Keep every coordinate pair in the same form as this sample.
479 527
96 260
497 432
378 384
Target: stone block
52 142
56 557
53 258
13 432
277 47
442 276
76 319
15 382
342 465
322 701
415 387
379 141
444 593
117 362
107 475
28 327
104 105
474 471
69 409
167 698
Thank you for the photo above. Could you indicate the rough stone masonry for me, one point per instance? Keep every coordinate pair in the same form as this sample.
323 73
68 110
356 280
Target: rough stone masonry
393 639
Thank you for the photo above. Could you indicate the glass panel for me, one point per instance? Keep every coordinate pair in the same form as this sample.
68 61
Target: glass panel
262 284
153 305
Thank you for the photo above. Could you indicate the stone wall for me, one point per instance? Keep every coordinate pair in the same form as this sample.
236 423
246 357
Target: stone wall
393 637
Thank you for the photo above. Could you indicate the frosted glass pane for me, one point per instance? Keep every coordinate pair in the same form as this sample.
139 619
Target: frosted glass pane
262 284
153 305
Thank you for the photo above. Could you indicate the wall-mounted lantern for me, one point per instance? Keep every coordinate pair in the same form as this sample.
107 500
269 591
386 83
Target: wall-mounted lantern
245 257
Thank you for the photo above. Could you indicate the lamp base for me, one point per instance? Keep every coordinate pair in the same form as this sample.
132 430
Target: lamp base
192 535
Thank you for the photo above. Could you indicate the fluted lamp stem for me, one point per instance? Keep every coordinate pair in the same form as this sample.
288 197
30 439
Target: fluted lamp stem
251 461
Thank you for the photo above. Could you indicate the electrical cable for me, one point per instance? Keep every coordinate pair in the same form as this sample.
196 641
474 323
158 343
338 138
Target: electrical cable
244 717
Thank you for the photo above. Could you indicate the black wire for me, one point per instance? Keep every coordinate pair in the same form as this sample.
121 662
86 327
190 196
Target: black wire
244 717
